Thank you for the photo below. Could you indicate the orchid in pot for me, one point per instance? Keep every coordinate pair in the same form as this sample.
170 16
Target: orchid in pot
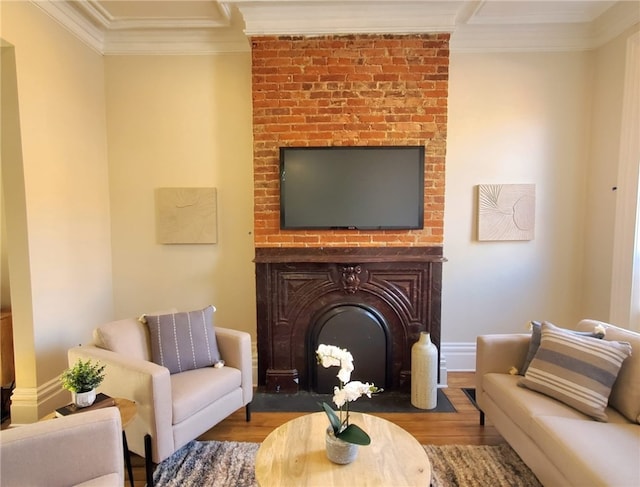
348 391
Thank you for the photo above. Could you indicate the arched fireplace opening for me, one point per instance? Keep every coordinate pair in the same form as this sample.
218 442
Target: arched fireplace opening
363 331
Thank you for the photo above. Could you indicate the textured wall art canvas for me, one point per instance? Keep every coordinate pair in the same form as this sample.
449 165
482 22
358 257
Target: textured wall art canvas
506 211
186 215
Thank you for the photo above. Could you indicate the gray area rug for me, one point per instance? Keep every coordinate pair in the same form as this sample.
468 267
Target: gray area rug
231 464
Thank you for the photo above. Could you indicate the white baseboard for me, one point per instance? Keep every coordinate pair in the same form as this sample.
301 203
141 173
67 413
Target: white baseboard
29 404
457 357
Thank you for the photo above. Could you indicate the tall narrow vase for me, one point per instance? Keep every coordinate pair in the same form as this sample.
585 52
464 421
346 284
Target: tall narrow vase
424 373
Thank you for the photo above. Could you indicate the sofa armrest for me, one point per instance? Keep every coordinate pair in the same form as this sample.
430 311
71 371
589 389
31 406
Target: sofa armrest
67 451
499 353
235 350
147 384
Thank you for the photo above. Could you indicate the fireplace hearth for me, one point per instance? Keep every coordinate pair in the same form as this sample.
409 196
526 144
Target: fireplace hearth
372 301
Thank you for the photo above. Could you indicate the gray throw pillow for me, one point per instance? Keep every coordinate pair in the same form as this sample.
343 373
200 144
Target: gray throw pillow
183 341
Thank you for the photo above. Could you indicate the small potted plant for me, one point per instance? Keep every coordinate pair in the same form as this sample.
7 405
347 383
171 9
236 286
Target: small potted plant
82 380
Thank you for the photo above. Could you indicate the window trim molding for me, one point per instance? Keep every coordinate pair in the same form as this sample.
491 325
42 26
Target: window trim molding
625 277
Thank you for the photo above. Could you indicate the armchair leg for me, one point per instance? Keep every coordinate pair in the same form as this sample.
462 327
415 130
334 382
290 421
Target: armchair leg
148 461
481 418
127 458
247 410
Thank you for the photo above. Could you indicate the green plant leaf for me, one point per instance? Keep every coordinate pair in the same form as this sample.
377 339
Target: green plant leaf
333 418
83 376
354 434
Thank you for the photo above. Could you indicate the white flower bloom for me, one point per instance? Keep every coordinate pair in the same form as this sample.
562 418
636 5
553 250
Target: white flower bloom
339 396
344 375
332 356
356 389
352 391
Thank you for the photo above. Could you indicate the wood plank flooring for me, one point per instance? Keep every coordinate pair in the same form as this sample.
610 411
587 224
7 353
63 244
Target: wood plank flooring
462 427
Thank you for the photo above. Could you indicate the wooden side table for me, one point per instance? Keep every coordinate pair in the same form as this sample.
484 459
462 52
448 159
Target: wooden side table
128 411
294 454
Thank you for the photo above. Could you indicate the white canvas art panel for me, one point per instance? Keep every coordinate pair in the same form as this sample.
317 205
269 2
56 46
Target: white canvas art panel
186 215
506 211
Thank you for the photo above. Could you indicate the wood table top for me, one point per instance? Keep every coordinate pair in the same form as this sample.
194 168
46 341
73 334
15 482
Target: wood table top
127 409
294 455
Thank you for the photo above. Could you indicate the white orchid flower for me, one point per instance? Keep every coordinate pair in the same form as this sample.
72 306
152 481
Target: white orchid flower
332 356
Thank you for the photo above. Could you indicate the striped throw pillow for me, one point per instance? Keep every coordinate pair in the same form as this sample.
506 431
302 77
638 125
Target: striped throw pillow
184 341
579 371
536 334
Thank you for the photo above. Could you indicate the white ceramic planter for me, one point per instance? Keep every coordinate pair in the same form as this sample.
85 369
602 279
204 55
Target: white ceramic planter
84 399
339 451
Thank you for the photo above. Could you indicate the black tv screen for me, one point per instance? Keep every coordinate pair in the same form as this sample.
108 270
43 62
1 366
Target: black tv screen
364 188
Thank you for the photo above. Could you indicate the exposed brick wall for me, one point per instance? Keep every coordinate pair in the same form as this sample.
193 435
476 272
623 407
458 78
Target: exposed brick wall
348 90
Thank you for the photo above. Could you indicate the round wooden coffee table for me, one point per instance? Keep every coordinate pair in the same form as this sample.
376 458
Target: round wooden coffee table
294 454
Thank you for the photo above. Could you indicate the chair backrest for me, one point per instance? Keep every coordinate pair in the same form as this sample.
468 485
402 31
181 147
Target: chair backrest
128 337
78 448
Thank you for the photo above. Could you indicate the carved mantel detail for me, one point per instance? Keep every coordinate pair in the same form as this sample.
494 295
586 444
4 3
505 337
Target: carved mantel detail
296 286
350 279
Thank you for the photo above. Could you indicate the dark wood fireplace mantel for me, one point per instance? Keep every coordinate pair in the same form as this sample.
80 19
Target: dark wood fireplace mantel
297 286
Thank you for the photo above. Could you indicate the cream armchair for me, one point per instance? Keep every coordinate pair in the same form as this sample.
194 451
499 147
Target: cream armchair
81 449
172 409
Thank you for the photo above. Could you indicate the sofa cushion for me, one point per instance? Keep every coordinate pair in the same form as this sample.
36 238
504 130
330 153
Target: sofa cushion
576 448
194 390
536 333
578 371
183 341
521 404
625 394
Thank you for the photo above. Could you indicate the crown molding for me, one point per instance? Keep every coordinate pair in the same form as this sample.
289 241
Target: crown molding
546 37
94 10
241 19
520 38
174 42
74 22
320 18
151 37
614 22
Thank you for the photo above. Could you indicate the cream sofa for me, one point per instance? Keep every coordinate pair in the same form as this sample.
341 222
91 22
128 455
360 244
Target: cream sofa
562 446
82 449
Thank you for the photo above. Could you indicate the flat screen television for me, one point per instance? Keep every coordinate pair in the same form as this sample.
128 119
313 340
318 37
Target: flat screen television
363 188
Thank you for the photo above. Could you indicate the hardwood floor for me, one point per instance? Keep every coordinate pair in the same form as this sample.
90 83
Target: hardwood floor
462 427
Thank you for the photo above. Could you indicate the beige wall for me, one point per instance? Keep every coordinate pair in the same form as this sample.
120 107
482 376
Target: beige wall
181 121
552 119
516 118
65 260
